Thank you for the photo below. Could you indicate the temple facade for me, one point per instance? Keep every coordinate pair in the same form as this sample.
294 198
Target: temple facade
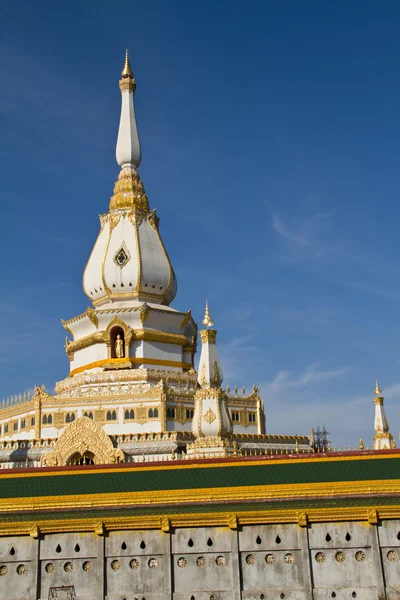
132 392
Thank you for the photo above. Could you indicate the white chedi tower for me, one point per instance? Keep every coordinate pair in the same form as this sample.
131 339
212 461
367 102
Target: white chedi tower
130 281
212 425
383 439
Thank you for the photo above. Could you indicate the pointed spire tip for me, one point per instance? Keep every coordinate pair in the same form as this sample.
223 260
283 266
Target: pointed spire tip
207 321
377 388
127 71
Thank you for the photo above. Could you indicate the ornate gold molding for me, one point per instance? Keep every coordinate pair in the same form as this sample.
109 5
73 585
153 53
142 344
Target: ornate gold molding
92 316
83 435
134 361
34 527
208 336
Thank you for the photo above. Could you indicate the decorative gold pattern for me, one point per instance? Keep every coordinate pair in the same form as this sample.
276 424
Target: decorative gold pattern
208 336
144 312
209 416
81 436
134 361
129 192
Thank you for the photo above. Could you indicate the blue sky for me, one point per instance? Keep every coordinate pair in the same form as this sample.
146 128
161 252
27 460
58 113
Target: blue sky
270 140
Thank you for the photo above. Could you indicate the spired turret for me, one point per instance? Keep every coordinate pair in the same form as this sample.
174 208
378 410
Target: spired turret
129 261
212 424
382 438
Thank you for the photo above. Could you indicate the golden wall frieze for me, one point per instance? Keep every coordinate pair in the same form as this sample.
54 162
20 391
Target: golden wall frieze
302 491
139 375
204 519
27 408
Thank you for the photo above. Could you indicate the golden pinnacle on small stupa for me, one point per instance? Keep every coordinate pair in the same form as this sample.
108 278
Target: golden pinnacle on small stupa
127 71
377 388
207 321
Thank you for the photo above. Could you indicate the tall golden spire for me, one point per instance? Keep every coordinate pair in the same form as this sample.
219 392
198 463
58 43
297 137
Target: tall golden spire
127 80
207 321
377 389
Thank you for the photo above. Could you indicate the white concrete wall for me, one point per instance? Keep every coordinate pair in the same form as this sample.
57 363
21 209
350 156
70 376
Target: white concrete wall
268 562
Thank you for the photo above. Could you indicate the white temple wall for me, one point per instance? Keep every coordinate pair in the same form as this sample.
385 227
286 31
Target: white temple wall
270 562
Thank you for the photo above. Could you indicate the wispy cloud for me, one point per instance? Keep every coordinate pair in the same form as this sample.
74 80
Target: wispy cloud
286 380
305 234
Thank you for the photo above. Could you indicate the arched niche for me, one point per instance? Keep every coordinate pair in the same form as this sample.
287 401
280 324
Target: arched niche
118 327
117 343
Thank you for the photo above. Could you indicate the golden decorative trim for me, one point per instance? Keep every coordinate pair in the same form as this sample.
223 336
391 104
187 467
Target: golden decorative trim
83 435
144 312
179 520
148 335
129 192
134 361
208 336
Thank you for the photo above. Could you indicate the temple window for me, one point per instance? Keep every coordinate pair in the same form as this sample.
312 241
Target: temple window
89 415
70 417
22 423
151 413
15 425
189 413
252 417
32 421
156 413
170 413
111 415
235 416
44 420
6 428
49 420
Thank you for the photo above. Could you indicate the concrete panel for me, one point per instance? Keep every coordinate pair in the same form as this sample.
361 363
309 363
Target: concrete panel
211 572
269 537
201 539
342 535
342 568
282 569
389 533
68 545
80 573
137 575
138 543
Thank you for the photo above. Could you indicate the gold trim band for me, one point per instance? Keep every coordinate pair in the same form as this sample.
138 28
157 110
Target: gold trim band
179 520
135 361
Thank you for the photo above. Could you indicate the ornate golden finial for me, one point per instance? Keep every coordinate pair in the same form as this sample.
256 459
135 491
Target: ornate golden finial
127 71
377 389
361 446
207 321
127 80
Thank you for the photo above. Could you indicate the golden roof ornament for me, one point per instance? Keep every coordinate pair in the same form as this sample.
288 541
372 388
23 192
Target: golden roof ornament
207 321
377 389
127 80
